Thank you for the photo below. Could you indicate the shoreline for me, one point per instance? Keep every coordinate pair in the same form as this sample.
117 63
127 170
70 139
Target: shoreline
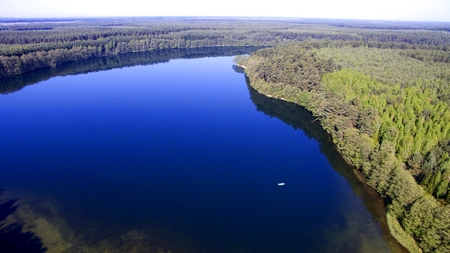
385 226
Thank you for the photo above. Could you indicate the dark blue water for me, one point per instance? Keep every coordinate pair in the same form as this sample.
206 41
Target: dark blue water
176 157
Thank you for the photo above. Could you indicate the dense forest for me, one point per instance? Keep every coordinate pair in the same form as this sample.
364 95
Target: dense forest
28 45
388 111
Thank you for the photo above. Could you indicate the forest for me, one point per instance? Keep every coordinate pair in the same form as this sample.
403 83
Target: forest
387 111
16 83
29 45
379 89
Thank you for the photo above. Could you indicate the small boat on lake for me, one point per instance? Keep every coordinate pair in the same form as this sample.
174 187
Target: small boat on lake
281 184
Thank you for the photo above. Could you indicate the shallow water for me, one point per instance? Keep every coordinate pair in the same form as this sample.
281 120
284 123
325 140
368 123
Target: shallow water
181 156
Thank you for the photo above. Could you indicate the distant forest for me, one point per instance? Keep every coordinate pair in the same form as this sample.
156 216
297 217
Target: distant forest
380 89
16 83
28 45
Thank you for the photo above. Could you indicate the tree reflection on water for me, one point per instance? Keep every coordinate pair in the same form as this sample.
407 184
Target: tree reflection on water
12 237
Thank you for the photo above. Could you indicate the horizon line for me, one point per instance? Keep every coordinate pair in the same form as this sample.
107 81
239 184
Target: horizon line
225 17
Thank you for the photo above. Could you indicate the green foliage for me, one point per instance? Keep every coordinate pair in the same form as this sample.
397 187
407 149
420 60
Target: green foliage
429 223
241 60
384 111
400 235
435 170
12 84
27 46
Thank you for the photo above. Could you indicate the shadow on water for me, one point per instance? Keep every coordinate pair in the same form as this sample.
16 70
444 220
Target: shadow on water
12 237
299 118
13 84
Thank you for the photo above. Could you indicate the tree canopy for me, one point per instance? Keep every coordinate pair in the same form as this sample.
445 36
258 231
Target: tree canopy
387 110
28 45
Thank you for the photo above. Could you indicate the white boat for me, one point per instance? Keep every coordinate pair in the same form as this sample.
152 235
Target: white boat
281 184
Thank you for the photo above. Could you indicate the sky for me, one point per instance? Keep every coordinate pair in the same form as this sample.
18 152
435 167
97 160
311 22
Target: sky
406 10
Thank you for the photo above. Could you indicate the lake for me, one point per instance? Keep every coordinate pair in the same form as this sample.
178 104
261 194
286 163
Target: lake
177 156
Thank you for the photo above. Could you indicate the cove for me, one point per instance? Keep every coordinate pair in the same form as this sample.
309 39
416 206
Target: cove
178 155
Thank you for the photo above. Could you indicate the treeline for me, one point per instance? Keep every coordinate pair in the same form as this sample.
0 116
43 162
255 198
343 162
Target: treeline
16 83
299 118
25 47
388 113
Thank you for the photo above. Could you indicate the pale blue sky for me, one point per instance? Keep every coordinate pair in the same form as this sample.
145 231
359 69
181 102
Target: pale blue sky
410 10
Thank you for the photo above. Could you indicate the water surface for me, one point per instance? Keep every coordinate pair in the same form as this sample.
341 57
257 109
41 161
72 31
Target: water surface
181 156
